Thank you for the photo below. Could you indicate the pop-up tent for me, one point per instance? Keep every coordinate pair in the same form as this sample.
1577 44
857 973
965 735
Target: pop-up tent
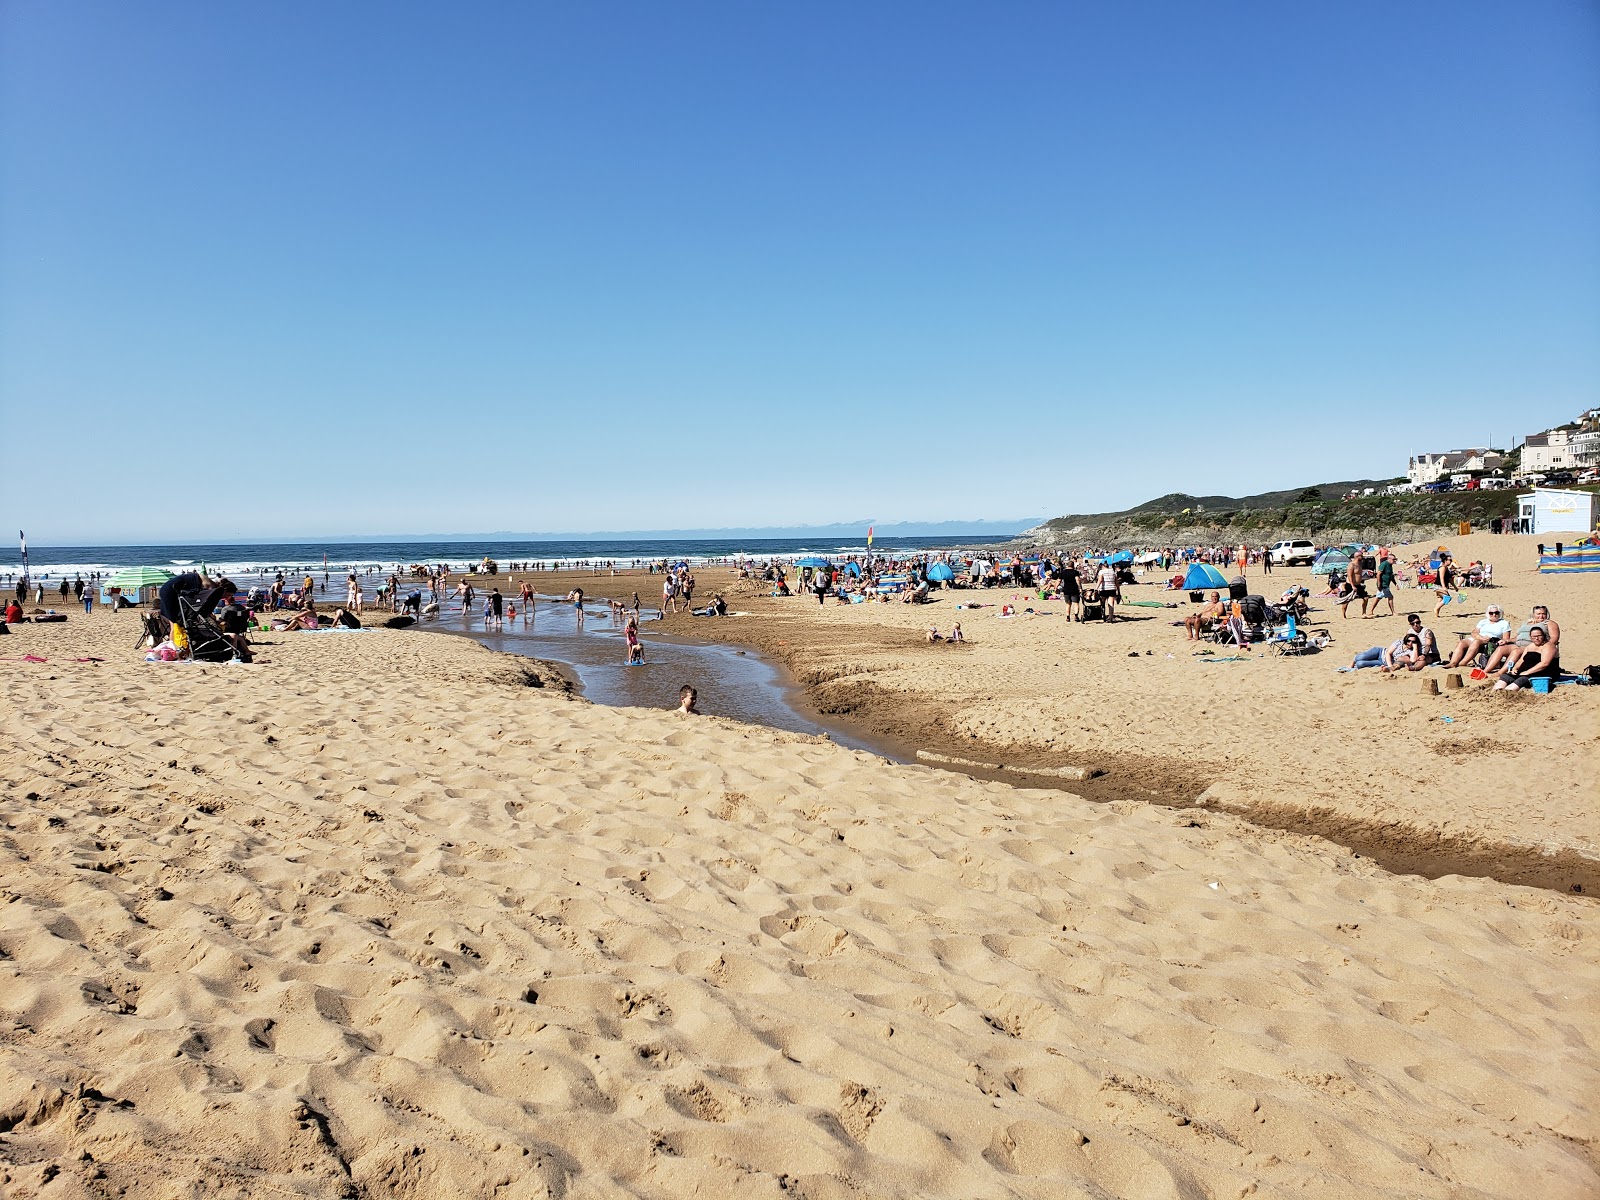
1203 575
941 573
1331 562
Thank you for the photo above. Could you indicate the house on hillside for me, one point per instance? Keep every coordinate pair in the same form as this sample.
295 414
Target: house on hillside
1430 468
1549 451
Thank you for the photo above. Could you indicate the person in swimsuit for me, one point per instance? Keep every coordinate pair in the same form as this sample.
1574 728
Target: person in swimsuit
635 647
576 596
1537 660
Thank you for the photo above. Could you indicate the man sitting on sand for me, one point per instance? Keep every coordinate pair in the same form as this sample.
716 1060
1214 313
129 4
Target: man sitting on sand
1430 643
1206 618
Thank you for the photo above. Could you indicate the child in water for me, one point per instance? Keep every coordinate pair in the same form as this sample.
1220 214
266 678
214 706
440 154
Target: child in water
635 648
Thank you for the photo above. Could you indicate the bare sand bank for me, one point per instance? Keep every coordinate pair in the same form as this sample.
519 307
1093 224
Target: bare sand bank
374 917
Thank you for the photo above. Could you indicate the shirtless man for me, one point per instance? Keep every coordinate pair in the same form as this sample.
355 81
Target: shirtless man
1199 622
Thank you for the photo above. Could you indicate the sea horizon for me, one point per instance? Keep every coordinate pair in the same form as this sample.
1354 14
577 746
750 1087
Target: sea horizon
254 558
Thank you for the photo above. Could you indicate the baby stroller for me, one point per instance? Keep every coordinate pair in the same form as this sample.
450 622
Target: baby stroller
207 642
1092 610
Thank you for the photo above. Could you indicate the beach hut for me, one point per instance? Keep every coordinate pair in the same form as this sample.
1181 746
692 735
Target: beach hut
1547 511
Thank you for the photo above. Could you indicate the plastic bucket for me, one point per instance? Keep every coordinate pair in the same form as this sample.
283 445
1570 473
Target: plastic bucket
1542 685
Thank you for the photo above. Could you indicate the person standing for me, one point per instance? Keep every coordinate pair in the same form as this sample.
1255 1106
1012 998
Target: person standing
1385 584
1358 585
1107 582
352 599
1266 559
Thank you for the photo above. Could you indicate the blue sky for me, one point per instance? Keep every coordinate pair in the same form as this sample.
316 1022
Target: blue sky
406 267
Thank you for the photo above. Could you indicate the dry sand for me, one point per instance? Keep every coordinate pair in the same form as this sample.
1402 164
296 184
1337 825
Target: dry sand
1504 787
374 918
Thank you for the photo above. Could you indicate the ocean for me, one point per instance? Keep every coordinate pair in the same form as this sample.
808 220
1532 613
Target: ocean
255 558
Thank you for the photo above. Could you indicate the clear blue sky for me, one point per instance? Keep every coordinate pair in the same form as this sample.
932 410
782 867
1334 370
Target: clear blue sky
418 267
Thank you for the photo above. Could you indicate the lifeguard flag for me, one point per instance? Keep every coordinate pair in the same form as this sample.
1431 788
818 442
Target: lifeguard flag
869 535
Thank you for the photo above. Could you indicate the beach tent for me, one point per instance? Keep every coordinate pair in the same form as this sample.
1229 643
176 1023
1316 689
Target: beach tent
1121 556
131 579
811 560
941 573
1203 575
853 569
1330 562
681 565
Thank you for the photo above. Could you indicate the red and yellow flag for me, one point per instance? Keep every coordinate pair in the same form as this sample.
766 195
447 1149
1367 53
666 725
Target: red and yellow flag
869 535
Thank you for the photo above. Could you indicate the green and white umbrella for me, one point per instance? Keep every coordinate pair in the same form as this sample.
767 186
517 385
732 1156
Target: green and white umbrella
131 579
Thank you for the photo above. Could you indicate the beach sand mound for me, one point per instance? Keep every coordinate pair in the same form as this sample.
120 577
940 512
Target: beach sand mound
383 929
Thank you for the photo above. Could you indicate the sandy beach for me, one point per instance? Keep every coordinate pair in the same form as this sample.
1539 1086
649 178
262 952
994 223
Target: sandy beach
1463 781
376 916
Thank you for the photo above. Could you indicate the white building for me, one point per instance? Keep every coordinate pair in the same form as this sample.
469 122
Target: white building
1430 468
1585 448
1555 510
1548 451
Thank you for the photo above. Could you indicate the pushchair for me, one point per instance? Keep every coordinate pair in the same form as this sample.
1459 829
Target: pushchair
207 642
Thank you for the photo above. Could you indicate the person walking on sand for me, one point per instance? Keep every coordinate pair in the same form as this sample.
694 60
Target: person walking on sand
1358 585
1385 584
1447 582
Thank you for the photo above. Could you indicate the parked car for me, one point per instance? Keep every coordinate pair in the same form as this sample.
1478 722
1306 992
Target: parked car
1296 552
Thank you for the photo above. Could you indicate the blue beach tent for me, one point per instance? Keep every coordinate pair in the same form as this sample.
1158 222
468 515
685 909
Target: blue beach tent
941 573
1331 562
1203 575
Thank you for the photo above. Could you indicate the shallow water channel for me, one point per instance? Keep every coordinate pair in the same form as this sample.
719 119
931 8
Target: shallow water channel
731 682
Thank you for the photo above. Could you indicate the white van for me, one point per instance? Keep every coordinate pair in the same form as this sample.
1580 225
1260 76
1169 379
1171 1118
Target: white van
1298 552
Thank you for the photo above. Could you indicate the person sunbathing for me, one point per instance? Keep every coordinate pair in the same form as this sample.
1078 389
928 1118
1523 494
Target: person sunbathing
1205 619
1485 636
1539 659
1507 649
1405 655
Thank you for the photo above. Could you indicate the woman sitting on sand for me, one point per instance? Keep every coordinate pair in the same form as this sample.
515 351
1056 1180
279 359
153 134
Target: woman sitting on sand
1485 636
1401 655
1540 660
